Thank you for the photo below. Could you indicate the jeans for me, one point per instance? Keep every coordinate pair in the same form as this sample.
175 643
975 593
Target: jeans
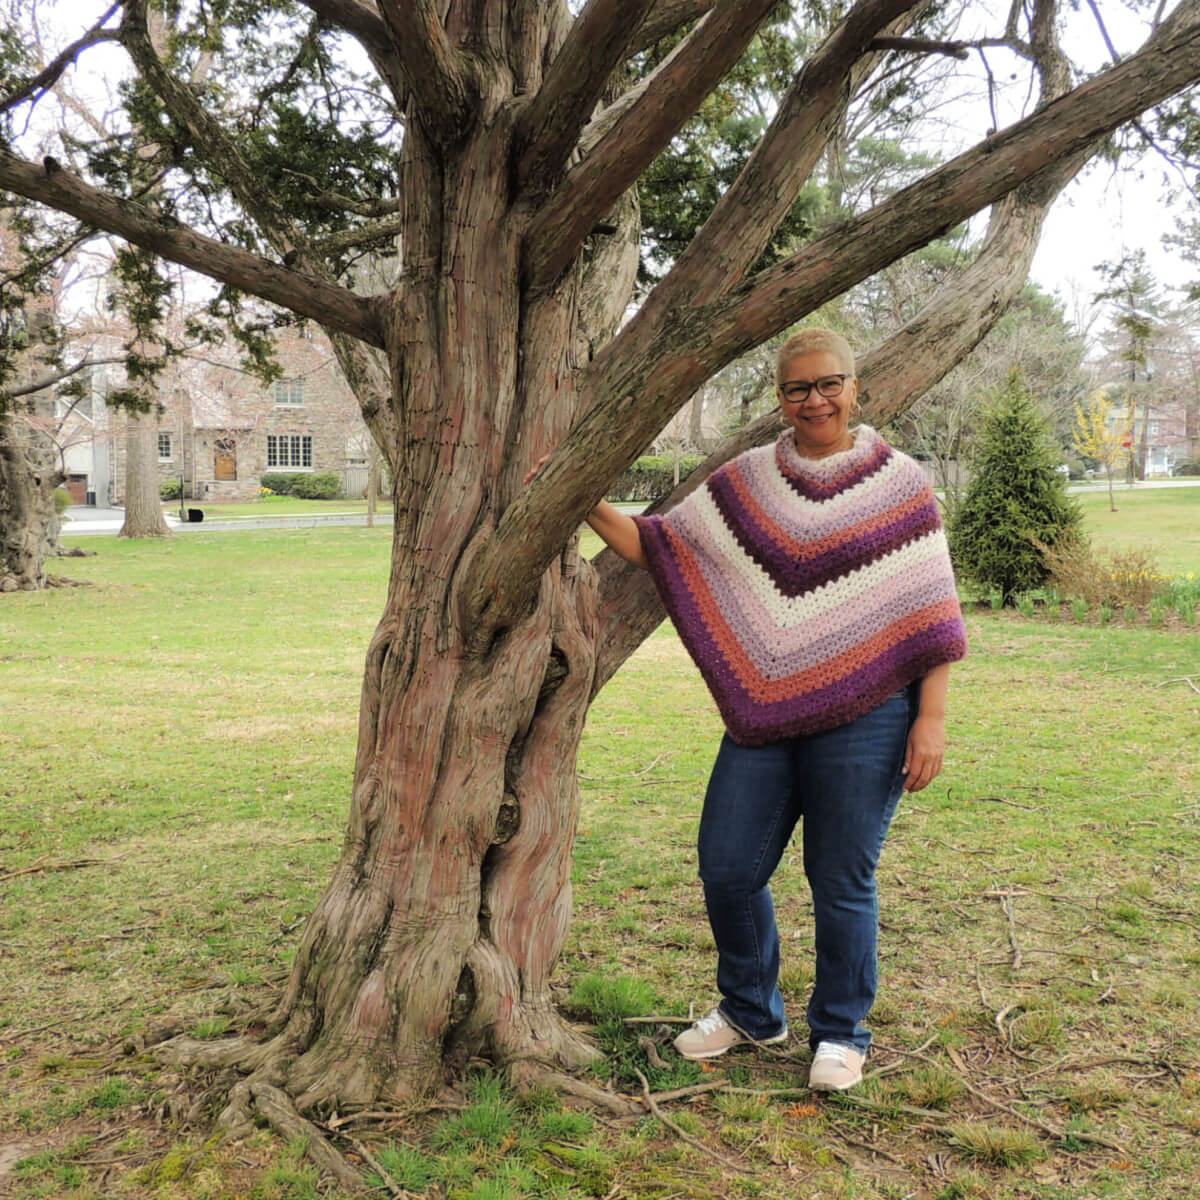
843 786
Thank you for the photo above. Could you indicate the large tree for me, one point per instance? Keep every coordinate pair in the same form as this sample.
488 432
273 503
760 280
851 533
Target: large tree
517 135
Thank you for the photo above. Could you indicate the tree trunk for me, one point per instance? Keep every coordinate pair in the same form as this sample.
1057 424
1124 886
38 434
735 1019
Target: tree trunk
438 933
29 473
143 501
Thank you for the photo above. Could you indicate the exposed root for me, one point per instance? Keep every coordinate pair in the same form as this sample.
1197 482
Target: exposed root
239 1053
273 1105
527 1075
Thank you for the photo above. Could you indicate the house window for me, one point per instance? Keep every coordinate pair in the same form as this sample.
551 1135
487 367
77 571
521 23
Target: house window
289 392
164 447
289 450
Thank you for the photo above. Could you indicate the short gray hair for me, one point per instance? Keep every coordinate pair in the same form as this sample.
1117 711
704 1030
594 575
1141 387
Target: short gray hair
808 340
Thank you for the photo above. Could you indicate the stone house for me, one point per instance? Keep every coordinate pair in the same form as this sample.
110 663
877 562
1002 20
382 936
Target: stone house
221 430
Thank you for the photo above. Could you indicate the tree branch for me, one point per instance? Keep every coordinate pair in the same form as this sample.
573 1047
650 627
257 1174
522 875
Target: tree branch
739 228
324 302
434 70
49 380
49 75
336 202
363 22
653 366
663 104
922 46
598 42
361 235
665 18
206 131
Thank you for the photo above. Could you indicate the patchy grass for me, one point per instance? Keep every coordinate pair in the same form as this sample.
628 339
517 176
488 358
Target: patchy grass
177 744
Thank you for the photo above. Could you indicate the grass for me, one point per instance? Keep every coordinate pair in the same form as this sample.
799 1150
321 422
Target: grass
1168 519
177 745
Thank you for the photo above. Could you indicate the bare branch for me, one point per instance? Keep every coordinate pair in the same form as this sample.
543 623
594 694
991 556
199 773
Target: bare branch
51 378
49 75
599 40
324 302
206 131
654 365
665 18
339 203
741 225
361 235
434 70
662 106
922 46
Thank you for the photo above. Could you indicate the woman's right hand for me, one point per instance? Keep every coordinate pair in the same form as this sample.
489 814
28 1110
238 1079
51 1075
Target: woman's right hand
537 466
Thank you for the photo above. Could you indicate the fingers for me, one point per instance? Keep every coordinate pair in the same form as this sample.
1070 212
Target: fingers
537 466
921 770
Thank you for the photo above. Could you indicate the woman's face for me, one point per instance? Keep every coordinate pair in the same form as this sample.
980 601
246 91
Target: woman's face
820 422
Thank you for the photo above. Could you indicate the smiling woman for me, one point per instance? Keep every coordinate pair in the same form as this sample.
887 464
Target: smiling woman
810 582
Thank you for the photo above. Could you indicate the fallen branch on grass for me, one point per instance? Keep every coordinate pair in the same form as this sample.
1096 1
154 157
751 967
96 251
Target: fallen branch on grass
1060 1135
1180 679
682 1133
75 864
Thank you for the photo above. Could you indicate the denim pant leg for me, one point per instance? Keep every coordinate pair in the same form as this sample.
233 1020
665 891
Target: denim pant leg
749 814
849 782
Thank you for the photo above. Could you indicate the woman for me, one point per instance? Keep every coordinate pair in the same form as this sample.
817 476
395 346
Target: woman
811 583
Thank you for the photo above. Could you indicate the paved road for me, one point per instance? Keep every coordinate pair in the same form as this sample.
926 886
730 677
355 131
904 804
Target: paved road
85 520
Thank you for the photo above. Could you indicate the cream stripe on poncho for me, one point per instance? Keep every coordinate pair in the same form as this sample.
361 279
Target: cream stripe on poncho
808 590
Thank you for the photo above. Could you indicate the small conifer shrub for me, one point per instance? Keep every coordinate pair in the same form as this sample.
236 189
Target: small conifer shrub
1016 497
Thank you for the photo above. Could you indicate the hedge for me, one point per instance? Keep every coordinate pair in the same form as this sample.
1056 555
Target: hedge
652 477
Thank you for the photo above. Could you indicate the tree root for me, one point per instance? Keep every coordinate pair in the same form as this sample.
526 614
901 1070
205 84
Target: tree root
238 1053
527 1075
274 1106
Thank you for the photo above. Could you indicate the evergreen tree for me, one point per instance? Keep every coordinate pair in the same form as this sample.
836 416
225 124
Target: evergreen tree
1017 497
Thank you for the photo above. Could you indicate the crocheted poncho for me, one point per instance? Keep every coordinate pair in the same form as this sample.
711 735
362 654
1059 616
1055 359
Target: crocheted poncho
808 590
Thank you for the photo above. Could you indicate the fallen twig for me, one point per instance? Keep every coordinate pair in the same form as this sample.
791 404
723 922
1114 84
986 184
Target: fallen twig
1006 903
388 1182
1180 679
351 1118
683 1134
1045 1127
62 866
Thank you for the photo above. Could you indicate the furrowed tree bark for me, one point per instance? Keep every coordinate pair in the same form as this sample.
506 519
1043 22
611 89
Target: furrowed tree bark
29 472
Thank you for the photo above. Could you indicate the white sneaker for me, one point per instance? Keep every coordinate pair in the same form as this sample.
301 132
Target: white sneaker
835 1067
713 1035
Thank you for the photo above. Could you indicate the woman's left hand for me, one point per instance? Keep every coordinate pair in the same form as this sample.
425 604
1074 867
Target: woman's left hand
926 748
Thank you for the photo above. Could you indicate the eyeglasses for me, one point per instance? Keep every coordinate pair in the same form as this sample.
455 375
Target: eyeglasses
797 390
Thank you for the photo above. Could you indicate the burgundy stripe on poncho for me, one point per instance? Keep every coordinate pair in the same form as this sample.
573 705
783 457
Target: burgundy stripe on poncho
808 590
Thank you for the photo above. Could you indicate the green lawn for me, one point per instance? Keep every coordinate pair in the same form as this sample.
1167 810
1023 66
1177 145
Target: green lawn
177 744
1165 521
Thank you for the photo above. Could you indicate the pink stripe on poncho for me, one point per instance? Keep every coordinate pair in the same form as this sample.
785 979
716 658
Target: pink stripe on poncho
808 590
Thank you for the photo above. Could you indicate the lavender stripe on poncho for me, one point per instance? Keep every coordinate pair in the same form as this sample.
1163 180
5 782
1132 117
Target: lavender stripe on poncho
808 590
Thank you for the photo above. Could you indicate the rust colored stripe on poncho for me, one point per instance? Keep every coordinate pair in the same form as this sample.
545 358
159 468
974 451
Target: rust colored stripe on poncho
808 590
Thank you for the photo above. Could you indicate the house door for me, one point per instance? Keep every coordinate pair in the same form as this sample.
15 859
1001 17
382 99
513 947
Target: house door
224 459
77 486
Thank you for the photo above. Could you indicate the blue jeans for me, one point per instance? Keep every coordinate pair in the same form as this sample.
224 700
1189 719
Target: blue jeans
843 786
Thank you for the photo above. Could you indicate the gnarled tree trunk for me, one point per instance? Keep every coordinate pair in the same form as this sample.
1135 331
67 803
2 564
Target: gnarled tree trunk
30 470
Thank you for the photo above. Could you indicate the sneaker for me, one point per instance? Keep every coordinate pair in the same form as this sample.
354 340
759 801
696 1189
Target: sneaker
835 1067
713 1035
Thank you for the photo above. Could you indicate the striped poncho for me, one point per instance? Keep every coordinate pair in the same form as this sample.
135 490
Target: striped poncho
808 590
